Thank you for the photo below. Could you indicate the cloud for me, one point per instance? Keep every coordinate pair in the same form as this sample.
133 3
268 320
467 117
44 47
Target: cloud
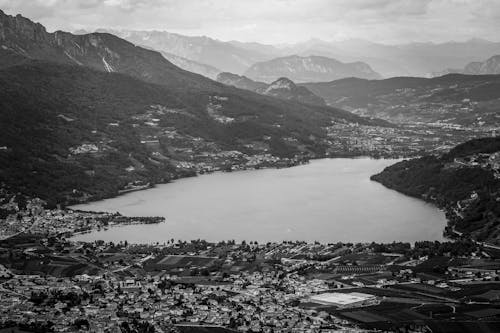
392 21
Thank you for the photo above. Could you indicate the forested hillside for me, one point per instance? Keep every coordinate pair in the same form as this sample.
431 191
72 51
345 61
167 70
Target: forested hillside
464 182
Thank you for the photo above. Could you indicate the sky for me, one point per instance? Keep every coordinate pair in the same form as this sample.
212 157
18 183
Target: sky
276 21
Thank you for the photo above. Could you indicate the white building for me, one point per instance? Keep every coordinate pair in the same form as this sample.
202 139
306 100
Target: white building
345 300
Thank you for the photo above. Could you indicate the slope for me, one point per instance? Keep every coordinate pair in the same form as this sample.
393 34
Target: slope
464 182
465 100
80 133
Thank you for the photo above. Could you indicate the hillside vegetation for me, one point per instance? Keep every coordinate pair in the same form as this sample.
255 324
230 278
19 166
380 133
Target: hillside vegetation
453 99
48 111
464 182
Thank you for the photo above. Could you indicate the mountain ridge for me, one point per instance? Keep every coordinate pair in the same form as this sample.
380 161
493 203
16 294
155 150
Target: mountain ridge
285 88
202 49
193 66
282 88
101 51
308 69
410 59
241 81
490 66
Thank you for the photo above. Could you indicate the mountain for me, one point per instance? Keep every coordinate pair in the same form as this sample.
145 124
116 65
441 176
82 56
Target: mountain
181 62
192 66
282 88
286 89
80 133
23 38
490 66
413 59
242 82
308 69
267 49
223 55
88 116
56 131
454 99
464 182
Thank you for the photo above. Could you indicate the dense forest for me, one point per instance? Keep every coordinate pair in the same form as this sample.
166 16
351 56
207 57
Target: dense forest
469 194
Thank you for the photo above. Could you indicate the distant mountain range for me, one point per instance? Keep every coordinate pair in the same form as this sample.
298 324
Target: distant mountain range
309 69
413 59
490 66
282 88
84 115
203 50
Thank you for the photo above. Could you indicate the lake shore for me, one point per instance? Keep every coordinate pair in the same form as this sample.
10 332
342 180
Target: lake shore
194 207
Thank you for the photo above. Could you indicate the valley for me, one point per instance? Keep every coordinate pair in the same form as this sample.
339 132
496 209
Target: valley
124 118
152 122
451 101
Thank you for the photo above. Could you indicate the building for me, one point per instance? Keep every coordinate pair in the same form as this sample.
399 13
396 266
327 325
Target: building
344 300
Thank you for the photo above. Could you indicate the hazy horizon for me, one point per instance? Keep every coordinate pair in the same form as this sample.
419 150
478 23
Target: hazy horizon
276 22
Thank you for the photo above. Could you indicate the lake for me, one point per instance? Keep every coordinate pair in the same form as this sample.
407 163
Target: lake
327 200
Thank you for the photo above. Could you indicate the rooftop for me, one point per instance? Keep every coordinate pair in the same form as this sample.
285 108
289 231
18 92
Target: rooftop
341 299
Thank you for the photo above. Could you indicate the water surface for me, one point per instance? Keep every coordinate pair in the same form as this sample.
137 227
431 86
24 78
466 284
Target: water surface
327 200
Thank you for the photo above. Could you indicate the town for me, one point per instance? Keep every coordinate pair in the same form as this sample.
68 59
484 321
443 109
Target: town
51 283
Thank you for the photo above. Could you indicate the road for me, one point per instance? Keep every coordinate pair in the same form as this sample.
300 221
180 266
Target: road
21 232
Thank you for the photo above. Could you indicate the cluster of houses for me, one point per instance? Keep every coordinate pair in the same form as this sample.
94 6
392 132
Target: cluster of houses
483 160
